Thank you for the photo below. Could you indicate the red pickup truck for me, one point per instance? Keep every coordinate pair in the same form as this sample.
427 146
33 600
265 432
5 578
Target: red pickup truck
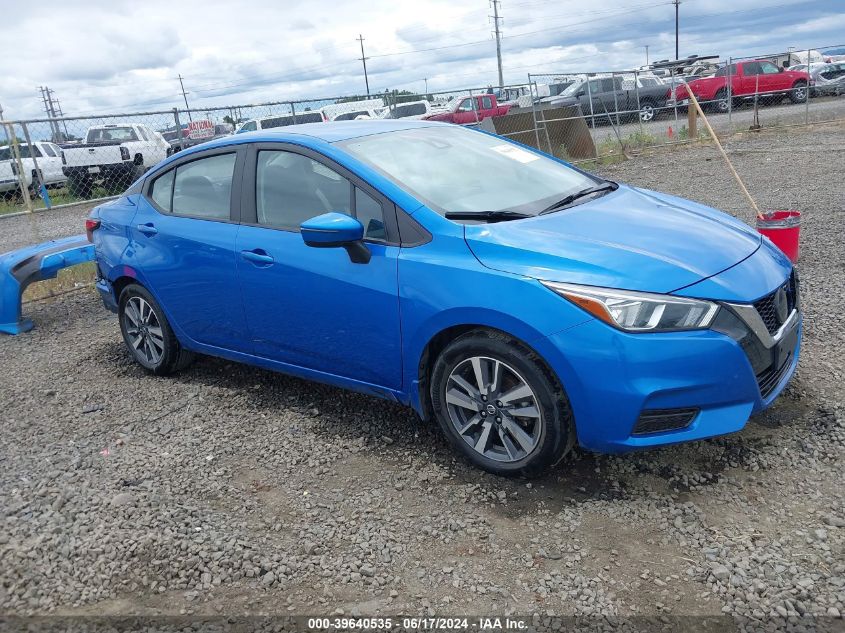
470 110
757 77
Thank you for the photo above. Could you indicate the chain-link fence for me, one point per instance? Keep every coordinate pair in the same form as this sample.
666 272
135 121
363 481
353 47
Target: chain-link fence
591 116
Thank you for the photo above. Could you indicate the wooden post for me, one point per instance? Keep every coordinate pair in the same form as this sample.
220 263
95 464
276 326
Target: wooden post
692 123
721 149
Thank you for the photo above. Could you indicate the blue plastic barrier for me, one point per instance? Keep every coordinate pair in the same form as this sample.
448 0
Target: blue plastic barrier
26 265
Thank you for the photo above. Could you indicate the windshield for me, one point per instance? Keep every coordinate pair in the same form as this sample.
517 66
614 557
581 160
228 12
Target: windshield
453 169
572 89
105 134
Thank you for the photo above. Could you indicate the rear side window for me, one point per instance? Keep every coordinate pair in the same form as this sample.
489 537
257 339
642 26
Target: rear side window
201 188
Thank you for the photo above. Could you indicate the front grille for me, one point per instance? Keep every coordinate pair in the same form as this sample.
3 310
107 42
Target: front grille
769 379
767 307
657 420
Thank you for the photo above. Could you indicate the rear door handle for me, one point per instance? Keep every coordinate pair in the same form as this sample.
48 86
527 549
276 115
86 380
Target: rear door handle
147 229
257 256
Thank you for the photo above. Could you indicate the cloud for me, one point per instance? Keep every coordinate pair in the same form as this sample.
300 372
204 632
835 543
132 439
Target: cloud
126 56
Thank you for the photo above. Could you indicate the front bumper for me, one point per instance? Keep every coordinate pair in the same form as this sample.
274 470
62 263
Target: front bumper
612 377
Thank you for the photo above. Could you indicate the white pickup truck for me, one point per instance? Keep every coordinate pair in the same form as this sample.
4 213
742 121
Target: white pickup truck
113 155
49 159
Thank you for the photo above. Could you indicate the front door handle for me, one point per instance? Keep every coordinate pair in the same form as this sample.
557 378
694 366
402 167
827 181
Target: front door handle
147 229
257 256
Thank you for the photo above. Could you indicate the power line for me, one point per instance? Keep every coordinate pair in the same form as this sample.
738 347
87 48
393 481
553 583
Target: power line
364 61
496 19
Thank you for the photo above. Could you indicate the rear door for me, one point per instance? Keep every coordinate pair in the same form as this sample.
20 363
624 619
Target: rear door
183 238
313 307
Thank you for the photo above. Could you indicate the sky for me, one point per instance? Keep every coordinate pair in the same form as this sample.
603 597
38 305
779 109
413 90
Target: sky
127 56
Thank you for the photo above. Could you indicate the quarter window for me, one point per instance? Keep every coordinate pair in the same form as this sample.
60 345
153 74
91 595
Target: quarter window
162 190
291 188
201 188
370 214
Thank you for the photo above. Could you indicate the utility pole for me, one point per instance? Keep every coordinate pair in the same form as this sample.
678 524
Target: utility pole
498 33
425 80
187 107
51 114
364 61
646 54
677 4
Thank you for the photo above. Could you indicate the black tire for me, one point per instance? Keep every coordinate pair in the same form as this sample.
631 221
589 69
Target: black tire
169 356
720 102
553 437
115 185
648 111
80 187
799 92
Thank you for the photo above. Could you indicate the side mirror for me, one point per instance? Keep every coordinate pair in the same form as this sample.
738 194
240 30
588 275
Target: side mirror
580 93
780 69
336 230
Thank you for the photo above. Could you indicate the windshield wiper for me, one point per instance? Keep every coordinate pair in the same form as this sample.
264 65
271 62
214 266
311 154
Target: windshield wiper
605 186
489 216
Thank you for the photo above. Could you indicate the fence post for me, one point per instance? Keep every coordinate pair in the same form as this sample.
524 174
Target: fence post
21 178
293 110
807 100
532 88
637 88
41 188
178 128
590 99
615 96
730 92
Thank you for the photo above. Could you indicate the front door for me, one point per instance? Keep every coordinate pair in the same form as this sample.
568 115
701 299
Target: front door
313 307
183 241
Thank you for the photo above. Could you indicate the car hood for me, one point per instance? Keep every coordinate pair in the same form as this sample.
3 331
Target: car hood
631 239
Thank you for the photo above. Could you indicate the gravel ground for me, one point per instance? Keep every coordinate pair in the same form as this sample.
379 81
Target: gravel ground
233 490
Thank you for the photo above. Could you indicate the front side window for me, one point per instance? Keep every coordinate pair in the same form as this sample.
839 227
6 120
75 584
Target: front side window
350 116
143 134
486 103
453 169
291 188
49 151
201 188
769 68
249 126
466 106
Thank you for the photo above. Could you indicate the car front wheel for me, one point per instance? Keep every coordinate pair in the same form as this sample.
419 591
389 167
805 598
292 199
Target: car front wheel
499 405
148 335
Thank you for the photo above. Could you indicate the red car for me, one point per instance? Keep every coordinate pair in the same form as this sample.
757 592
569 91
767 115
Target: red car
758 77
470 110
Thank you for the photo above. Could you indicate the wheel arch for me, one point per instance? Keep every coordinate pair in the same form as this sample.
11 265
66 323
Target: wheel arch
438 341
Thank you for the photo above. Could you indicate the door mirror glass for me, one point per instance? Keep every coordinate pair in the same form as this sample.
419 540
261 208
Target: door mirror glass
332 230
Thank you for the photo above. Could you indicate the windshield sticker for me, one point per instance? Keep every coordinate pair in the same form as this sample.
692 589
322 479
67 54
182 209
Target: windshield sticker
515 153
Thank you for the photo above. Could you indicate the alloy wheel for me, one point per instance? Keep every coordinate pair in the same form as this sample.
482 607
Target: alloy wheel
646 112
493 409
143 329
800 94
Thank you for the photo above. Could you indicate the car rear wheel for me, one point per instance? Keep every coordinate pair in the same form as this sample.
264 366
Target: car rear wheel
647 112
148 335
721 104
499 405
798 93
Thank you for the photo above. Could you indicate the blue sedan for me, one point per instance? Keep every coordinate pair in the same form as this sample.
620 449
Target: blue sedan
521 303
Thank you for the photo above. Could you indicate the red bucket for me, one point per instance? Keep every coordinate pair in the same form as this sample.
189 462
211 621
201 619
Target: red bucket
783 228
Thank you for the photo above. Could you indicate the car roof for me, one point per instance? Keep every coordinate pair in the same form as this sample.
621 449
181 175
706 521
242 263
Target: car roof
331 132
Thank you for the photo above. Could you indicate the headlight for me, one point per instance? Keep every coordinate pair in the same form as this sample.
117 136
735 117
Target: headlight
638 311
